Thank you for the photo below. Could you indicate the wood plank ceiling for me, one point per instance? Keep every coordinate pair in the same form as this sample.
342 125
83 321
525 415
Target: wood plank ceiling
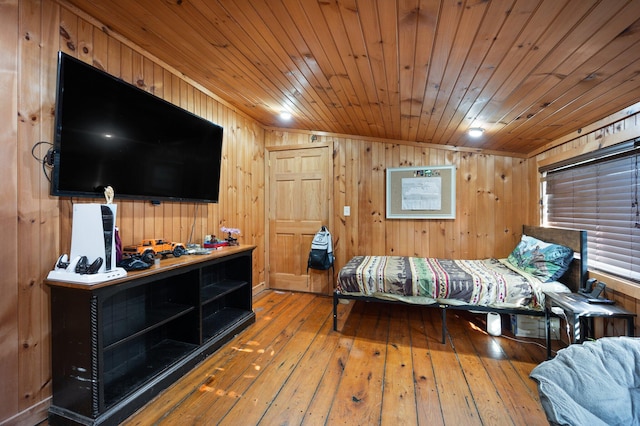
527 71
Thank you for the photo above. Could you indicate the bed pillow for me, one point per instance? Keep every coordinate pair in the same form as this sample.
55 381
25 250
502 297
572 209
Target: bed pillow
546 261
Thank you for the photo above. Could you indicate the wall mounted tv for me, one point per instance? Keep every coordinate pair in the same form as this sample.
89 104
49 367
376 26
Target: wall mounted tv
111 133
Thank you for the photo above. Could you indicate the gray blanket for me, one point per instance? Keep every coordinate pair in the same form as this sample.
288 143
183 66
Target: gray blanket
594 383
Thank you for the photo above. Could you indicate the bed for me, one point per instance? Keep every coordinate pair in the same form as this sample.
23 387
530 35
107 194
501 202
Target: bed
545 259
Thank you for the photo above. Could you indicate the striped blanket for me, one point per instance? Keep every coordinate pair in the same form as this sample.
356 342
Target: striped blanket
487 282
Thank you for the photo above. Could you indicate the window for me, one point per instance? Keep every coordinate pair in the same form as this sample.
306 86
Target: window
598 192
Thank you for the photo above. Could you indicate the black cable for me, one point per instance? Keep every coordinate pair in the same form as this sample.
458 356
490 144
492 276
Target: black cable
47 160
193 225
33 150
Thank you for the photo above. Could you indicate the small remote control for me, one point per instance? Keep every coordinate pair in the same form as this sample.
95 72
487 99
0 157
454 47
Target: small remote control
600 301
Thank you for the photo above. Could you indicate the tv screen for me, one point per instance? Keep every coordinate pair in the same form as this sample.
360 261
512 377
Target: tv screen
111 133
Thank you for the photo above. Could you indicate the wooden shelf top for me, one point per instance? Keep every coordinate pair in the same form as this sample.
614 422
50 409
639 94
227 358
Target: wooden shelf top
166 264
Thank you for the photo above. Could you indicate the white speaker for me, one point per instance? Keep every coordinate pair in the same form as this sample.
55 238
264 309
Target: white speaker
494 324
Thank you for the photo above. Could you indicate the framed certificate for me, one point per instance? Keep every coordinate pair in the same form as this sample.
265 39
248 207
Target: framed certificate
425 192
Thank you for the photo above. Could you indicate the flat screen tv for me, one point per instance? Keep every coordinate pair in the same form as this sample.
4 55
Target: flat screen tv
111 133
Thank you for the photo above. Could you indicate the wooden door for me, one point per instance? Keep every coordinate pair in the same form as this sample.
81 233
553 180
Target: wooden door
299 204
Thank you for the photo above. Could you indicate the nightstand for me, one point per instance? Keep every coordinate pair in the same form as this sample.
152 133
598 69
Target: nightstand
580 314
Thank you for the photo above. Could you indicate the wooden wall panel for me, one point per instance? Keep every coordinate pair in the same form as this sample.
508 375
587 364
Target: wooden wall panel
9 347
486 185
36 227
49 213
31 361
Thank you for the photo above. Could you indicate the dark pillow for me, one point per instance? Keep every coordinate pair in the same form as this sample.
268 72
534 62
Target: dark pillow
546 261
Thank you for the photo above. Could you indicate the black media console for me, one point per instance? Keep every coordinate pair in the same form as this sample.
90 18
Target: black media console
117 344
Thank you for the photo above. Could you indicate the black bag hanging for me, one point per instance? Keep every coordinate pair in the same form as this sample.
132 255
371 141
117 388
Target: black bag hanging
321 254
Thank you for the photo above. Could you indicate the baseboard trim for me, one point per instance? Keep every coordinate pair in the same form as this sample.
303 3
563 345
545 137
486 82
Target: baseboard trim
33 415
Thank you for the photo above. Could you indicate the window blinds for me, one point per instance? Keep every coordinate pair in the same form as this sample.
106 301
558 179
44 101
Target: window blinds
599 194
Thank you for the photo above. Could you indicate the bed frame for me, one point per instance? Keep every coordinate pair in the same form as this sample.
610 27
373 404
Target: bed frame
575 278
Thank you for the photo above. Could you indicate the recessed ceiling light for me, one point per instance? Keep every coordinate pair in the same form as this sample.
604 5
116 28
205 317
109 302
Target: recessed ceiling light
284 115
476 132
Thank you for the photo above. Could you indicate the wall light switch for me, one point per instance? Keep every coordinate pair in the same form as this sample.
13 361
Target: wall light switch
347 210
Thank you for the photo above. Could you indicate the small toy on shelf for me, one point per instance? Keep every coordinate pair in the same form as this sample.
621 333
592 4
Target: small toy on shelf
211 241
231 231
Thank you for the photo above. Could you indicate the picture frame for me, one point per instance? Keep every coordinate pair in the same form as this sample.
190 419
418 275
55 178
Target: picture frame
422 192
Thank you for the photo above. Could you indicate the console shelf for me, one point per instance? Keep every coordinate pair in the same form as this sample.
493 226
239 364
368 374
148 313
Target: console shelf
212 292
117 344
124 378
156 317
214 324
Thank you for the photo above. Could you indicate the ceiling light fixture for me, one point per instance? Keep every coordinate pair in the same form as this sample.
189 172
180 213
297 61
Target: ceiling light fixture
476 132
284 115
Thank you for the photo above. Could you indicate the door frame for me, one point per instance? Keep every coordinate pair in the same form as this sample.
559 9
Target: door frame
267 205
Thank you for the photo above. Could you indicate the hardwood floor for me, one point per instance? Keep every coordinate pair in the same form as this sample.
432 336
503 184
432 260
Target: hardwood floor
386 366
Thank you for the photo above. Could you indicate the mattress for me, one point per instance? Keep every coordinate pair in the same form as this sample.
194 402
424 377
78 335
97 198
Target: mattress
485 282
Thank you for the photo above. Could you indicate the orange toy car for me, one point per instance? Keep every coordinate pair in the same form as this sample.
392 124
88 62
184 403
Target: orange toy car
151 247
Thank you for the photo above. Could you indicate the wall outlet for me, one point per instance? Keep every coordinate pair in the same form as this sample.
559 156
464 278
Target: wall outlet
347 210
